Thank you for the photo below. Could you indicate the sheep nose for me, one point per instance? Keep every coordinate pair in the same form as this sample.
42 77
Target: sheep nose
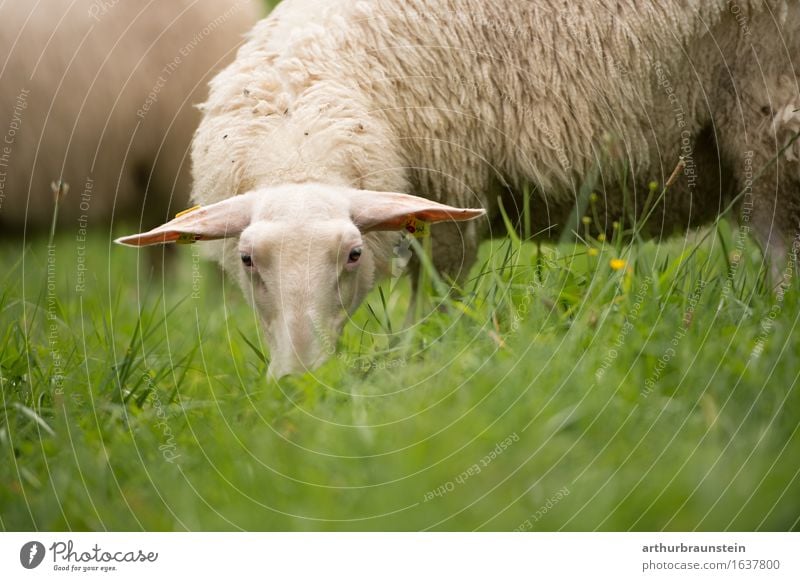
277 372
291 366
287 359
295 348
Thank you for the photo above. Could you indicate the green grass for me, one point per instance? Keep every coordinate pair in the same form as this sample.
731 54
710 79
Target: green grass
556 394
657 396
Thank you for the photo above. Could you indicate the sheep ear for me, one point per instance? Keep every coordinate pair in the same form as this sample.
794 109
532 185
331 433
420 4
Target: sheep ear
376 211
221 220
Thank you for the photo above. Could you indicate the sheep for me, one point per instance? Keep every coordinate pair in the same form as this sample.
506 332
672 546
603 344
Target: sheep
99 94
342 122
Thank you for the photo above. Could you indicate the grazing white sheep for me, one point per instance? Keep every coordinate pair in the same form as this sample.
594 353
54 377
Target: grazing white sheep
100 94
462 102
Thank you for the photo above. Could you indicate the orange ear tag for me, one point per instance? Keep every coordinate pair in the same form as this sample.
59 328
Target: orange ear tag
417 228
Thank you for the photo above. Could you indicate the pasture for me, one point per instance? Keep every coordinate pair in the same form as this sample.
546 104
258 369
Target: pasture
612 384
603 382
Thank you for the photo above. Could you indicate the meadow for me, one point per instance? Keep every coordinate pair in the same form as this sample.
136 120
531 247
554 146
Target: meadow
605 384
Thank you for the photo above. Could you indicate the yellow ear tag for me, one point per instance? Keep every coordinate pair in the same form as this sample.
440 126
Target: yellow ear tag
189 211
417 228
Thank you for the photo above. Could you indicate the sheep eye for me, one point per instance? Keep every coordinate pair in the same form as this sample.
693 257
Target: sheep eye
247 260
355 254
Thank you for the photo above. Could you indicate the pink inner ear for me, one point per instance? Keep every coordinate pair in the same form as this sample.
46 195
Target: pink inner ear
449 214
221 220
399 220
375 211
150 238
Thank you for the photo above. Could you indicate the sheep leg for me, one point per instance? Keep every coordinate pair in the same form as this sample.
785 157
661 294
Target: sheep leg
758 128
413 271
455 249
775 206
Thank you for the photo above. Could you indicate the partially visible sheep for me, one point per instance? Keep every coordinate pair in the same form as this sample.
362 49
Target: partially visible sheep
333 103
100 94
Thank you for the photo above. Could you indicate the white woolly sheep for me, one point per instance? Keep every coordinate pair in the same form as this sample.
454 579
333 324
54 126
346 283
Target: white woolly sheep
331 104
101 94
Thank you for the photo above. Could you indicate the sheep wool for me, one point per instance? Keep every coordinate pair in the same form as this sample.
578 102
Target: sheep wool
100 94
464 102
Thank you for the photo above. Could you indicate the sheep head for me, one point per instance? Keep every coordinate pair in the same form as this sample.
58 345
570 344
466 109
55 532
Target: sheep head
307 256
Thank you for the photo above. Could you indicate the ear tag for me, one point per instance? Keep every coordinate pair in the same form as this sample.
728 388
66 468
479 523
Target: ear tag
189 211
417 228
187 238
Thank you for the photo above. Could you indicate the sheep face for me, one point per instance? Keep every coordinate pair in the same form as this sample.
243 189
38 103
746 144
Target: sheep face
305 278
307 255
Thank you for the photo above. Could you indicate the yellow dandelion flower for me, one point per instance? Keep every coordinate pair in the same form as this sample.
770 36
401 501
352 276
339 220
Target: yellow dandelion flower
617 264
593 198
615 225
653 186
593 252
586 220
601 237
